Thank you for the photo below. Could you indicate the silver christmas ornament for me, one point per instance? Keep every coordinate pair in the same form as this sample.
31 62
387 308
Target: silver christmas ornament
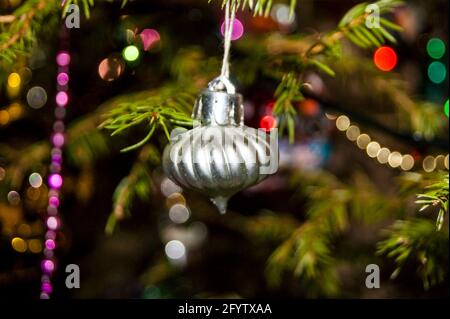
220 156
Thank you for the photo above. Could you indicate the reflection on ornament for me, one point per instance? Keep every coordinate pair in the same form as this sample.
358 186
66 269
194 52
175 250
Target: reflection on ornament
221 156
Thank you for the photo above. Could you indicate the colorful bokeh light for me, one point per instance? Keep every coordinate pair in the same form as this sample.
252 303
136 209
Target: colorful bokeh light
14 80
62 78
436 48
36 97
63 59
62 98
110 69
437 72
237 32
55 181
446 111
149 37
385 58
267 122
130 53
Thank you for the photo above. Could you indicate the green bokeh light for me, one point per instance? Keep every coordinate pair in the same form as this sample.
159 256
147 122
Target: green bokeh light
437 72
446 108
436 48
130 53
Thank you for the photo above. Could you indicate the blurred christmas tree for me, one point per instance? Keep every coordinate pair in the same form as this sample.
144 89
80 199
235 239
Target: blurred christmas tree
358 91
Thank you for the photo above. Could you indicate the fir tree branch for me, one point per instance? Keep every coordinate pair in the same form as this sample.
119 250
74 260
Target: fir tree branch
288 57
332 206
20 34
138 184
436 195
416 241
169 107
258 7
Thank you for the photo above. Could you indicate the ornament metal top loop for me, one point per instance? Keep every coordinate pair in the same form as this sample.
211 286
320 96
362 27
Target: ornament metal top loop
219 105
222 84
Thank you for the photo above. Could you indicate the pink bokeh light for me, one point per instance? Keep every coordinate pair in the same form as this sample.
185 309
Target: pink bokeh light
52 223
238 29
62 98
48 266
58 139
149 37
63 58
55 181
50 244
62 78
53 201
47 287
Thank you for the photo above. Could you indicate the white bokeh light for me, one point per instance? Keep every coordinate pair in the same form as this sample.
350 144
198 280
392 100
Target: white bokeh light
175 249
179 213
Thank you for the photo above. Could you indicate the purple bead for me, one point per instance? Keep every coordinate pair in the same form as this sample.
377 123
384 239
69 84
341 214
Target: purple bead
47 287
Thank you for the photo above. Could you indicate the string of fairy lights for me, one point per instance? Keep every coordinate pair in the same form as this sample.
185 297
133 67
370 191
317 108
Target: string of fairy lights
384 155
55 179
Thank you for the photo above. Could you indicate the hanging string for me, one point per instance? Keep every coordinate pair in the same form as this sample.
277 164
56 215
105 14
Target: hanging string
229 21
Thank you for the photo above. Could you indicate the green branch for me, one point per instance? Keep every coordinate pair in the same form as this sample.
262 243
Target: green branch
168 107
258 7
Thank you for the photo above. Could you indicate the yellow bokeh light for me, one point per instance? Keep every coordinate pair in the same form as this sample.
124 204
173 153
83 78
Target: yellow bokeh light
19 244
440 162
24 230
352 133
14 80
35 245
175 198
372 149
15 111
362 141
429 164
395 159
33 193
446 162
342 123
4 117
407 162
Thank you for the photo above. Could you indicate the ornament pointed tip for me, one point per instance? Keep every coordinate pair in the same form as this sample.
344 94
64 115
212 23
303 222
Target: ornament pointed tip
221 204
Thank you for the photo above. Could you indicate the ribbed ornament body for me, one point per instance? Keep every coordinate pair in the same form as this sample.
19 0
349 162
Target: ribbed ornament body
220 156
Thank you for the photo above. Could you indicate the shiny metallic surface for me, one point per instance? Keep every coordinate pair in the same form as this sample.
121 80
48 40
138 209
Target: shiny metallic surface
219 108
221 156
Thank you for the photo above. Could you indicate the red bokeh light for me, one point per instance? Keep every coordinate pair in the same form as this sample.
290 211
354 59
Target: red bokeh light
267 123
385 58
309 107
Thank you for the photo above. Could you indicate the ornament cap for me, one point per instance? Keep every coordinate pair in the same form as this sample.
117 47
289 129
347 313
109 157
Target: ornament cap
219 104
